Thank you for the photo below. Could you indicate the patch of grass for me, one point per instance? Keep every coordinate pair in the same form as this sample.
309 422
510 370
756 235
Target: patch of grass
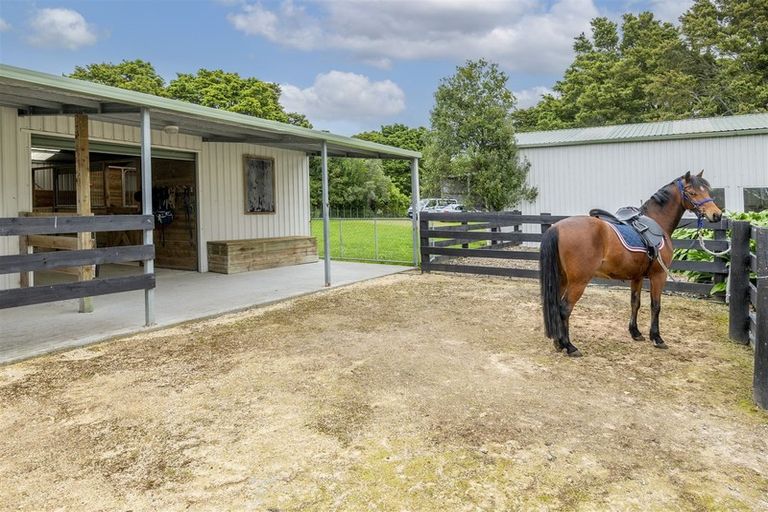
382 240
376 240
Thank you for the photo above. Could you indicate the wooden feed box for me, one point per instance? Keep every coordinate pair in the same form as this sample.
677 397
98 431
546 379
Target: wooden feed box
233 256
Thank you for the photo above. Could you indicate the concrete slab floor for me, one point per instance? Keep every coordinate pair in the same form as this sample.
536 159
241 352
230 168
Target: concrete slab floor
180 296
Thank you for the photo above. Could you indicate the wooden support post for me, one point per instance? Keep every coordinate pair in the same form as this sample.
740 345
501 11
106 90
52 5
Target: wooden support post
24 281
738 279
83 186
760 382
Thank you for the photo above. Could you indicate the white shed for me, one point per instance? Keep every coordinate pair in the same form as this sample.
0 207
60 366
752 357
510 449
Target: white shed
613 166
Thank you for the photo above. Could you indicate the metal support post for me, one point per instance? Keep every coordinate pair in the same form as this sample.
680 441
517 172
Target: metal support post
326 220
146 209
415 208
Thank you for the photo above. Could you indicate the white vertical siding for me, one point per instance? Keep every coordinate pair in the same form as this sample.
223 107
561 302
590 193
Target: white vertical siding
573 179
15 182
222 195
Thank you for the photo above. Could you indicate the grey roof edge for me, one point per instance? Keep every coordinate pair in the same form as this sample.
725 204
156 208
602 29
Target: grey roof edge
648 138
80 87
729 127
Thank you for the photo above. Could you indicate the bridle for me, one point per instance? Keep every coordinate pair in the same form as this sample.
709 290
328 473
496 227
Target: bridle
695 205
696 208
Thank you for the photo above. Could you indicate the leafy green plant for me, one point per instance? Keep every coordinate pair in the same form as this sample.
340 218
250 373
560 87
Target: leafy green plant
755 218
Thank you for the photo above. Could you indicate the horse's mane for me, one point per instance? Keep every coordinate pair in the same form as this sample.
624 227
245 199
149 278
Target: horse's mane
663 195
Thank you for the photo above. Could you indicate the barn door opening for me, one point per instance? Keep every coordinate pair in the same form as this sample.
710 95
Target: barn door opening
116 190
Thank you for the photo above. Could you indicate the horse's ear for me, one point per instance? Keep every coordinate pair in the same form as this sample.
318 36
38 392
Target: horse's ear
687 177
701 173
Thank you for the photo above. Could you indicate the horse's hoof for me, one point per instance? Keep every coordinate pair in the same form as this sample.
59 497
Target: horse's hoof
575 353
660 344
638 337
558 346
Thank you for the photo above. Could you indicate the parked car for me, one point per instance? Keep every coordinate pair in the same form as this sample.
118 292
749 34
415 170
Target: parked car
454 207
432 204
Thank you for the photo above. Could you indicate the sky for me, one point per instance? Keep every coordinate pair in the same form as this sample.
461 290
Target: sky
348 65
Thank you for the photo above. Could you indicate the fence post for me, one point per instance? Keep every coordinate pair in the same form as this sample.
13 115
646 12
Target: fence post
341 239
760 382
465 246
738 282
545 227
424 239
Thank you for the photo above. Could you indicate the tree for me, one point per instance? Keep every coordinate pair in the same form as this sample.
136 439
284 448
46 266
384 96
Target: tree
229 91
715 63
356 184
472 139
401 136
642 73
730 37
210 88
135 75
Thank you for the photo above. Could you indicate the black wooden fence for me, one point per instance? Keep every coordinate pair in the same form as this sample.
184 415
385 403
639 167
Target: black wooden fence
22 263
446 236
749 299
450 235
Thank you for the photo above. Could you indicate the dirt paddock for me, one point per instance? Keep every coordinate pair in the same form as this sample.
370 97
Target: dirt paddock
412 392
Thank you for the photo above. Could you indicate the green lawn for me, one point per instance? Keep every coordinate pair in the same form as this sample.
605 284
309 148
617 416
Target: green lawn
383 240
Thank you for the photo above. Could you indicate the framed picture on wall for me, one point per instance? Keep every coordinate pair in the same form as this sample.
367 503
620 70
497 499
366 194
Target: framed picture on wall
259 179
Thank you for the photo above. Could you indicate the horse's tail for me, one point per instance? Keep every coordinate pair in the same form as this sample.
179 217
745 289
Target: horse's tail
549 279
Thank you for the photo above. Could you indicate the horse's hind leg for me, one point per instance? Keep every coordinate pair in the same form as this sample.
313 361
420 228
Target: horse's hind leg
657 285
637 286
572 295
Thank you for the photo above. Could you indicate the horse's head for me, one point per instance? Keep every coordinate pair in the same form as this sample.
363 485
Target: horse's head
695 196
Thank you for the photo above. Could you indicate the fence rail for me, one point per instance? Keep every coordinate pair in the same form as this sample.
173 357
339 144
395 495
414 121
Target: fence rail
441 240
39 231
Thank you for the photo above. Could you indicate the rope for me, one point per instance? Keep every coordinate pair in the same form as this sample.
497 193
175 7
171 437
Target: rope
669 274
712 253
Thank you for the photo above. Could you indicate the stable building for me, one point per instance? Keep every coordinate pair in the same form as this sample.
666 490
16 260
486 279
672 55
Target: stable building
608 167
92 176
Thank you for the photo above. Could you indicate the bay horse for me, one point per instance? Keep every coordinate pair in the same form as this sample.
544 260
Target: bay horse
576 249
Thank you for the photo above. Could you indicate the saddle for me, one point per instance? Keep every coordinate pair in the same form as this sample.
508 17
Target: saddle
648 230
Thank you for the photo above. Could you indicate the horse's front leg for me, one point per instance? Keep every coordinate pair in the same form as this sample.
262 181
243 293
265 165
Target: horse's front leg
658 280
637 287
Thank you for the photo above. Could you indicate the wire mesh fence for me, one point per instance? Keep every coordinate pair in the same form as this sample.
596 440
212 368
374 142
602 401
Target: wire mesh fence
379 240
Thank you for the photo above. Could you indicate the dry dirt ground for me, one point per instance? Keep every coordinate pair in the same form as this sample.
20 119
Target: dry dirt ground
413 392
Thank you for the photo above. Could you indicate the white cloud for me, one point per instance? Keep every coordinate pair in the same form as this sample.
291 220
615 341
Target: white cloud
526 35
670 10
531 96
4 26
61 27
344 96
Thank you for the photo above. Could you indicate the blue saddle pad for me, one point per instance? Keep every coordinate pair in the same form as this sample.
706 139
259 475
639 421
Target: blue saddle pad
629 237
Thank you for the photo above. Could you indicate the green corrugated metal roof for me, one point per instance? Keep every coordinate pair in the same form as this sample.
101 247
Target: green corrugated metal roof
748 124
22 88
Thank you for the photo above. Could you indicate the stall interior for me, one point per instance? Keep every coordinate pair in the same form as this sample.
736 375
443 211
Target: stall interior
116 190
